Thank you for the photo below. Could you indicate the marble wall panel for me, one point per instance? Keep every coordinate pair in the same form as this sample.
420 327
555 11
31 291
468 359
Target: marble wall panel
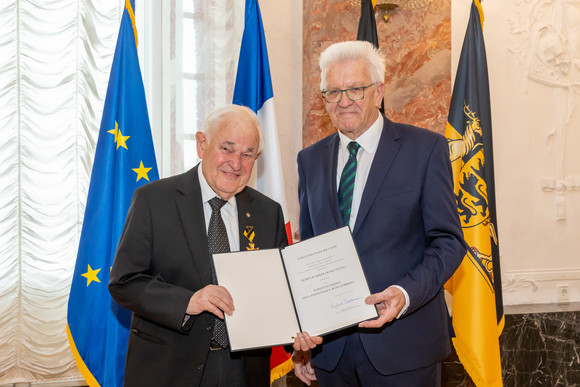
541 349
537 349
417 47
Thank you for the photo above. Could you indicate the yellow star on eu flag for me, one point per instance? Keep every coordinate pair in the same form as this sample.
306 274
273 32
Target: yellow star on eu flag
142 172
120 140
91 275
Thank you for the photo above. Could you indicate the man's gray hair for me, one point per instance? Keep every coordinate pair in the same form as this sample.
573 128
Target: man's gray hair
215 119
349 51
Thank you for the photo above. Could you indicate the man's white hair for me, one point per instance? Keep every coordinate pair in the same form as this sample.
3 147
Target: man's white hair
351 51
215 119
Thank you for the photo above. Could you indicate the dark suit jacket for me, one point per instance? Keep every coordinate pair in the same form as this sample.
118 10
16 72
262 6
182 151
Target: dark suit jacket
161 260
407 233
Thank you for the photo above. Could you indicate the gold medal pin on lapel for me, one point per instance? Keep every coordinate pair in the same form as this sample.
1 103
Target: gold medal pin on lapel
249 234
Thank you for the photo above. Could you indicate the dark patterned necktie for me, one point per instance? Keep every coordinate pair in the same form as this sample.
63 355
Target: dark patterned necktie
218 242
346 185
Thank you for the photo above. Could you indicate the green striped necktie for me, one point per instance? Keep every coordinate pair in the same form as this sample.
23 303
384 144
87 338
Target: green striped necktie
346 185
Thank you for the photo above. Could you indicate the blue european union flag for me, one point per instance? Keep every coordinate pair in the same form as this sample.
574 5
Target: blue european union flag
98 328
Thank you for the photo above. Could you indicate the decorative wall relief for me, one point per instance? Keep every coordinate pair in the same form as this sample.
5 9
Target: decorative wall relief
548 48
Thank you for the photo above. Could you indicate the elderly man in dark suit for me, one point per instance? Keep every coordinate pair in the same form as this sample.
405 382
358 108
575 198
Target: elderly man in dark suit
163 271
392 184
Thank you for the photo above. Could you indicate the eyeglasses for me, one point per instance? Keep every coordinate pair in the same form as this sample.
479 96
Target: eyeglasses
353 93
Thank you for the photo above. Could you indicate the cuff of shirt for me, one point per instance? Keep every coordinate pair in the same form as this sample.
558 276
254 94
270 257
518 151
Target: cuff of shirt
407 302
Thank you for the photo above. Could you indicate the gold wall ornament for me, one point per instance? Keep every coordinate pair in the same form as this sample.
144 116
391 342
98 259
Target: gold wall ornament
412 4
386 7
403 4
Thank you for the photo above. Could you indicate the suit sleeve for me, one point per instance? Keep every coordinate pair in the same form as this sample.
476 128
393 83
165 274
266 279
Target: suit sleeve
306 229
132 283
281 239
445 246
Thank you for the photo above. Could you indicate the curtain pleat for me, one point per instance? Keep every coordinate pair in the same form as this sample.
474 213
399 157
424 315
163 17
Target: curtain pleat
55 59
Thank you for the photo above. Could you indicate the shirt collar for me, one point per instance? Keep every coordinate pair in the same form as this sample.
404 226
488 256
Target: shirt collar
207 193
369 140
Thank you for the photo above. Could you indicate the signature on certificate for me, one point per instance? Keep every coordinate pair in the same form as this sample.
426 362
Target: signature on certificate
345 301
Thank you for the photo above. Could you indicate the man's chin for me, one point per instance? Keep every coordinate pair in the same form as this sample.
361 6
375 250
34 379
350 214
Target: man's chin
346 129
347 125
230 190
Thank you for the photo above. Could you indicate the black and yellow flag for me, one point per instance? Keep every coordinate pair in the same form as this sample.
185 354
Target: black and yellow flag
367 25
476 286
367 28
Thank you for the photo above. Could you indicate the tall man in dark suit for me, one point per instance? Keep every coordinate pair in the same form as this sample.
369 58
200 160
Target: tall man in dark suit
392 184
163 271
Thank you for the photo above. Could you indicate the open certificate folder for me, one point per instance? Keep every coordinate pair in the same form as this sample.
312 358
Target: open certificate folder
317 286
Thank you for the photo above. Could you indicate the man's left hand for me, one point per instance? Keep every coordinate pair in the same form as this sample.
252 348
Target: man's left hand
389 303
304 342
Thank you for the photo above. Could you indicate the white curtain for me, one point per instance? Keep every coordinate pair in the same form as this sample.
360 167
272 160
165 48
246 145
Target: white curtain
55 58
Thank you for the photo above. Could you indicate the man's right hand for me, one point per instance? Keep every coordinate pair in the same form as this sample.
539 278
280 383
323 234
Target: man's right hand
212 298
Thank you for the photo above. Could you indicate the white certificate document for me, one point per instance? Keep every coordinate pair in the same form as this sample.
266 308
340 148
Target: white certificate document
317 286
328 284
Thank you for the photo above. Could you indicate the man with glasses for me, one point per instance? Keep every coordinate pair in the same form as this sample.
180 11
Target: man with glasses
392 185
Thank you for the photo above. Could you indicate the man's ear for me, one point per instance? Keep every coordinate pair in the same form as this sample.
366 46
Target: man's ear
200 143
380 94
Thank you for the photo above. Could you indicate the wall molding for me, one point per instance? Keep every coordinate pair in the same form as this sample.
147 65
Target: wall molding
524 287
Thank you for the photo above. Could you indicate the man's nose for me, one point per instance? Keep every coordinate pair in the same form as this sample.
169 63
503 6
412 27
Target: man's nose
344 100
236 161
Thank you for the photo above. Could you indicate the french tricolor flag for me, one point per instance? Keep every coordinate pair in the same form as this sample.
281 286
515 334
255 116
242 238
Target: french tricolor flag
254 89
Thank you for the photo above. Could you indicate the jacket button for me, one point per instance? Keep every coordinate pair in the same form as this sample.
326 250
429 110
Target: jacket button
200 366
209 327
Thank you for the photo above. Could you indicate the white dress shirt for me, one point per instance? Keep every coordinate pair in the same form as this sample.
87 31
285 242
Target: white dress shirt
229 212
368 142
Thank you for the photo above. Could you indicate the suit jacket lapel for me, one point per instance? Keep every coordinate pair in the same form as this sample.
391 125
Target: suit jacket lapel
384 157
245 216
329 177
190 209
